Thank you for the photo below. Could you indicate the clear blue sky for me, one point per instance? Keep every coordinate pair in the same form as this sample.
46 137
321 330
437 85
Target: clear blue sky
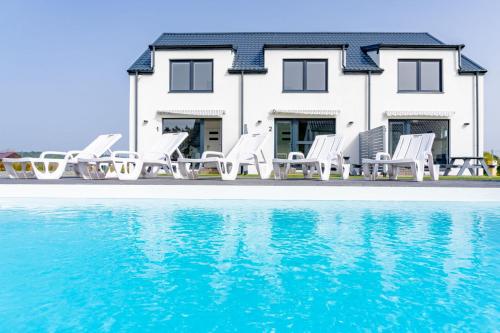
63 62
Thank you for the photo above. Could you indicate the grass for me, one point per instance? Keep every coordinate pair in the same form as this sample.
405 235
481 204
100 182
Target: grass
336 176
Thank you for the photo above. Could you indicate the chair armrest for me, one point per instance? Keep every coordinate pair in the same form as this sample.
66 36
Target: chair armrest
129 154
212 154
337 157
59 153
297 154
429 157
383 156
74 152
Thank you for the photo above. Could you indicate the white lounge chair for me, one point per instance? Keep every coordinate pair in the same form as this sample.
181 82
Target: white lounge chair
44 167
129 165
247 151
325 151
413 151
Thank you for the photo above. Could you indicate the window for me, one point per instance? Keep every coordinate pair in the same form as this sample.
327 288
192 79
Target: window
299 134
305 76
203 134
441 145
191 76
419 76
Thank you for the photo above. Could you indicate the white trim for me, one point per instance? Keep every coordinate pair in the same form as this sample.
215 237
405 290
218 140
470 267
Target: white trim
196 113
433 114
235 192
316 112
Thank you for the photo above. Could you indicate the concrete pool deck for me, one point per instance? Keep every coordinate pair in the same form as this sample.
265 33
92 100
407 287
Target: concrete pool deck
255 189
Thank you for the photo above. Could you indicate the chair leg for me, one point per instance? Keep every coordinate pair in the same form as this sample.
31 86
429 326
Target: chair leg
375 171
93 170
366 171
434 171
23 173
174 170
279 171
417 170
307 170
393 172
324 170
263 169
344 171
227 170
128 170
150 171
46 173
186 170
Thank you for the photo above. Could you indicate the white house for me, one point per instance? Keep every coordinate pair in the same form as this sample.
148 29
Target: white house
298 85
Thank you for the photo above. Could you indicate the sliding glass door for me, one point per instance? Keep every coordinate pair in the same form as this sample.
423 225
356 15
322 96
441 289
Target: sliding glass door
298 134
203 134
441 146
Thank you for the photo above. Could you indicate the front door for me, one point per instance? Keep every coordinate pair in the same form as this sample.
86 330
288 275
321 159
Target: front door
213 135
298 134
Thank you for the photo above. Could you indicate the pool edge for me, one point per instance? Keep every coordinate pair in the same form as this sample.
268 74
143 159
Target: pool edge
235 192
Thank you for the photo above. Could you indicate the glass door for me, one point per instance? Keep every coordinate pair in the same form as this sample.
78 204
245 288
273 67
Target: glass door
307 129
298 134
203 134
440 127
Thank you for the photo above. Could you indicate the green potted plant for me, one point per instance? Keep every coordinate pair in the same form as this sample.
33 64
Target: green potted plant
492 162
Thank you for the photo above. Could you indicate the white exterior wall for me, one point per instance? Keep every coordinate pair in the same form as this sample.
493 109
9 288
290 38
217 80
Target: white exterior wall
347 93
458 96
154 96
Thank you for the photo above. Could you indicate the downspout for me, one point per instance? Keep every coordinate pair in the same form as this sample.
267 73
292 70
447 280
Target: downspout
242 130
343 57
243 169
153 55
369 97
459 49
477 114
136 111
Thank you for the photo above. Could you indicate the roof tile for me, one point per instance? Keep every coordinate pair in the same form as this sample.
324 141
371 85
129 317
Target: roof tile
250 46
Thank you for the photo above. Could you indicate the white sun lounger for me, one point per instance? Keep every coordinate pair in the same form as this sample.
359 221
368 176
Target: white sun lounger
44 167
413 151
247 151
129 165
326 150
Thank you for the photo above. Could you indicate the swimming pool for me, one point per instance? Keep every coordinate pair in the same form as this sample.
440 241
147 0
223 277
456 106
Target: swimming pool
148 265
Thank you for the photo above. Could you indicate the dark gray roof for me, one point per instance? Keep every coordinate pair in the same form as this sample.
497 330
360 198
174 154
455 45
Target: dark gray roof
249 46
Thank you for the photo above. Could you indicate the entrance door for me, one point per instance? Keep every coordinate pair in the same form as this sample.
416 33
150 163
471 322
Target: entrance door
283 138
299 134
440 147
213 135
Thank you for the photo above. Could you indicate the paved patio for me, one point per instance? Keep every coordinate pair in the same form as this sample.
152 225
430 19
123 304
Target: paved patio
259 182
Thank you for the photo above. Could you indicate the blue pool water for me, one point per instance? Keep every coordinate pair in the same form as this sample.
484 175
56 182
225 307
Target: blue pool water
152 266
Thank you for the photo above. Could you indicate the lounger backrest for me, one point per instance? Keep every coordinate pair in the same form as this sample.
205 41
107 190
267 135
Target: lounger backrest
325 146
413 146
100 145
166 145
247 145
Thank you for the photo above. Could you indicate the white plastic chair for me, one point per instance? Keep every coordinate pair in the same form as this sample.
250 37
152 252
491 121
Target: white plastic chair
247 151
129 165
44 167
326 150
413 151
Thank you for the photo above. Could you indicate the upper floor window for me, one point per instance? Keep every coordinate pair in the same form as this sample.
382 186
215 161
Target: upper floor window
305 75
419 76
191 75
